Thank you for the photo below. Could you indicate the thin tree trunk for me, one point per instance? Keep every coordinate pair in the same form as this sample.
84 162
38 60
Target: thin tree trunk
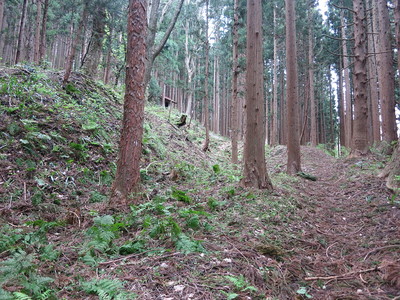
341 107
96 43
205 102
255 170
347 86
275 136
107 70
127 176
313 132
2 35
74 45
360 134
293 141
282 111
37 33
397 27
267 113
43 32
1 17
152 50
21 31
373 84
217 97
385 63
235 73
331 100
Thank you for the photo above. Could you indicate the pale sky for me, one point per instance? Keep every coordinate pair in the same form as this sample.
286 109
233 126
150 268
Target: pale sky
323 7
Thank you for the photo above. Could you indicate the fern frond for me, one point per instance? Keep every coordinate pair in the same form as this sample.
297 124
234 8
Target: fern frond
21 296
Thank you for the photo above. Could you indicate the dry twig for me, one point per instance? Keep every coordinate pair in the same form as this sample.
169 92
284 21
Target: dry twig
381 248
342 276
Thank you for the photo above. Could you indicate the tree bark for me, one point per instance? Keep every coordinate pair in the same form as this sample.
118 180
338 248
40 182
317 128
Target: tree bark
347 87
74 45
373 84
235 73
1 16
43 32
37 33
293 140
274 134
206 113
313 132
217 96
127 177
392 170
385 63
255 170
107 69
21 31
397 27
341 107
93 55
360 133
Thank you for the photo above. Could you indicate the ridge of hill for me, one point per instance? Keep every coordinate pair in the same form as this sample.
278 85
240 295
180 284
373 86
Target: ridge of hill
194 234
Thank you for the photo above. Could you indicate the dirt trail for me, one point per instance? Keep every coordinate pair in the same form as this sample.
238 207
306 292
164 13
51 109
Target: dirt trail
350 246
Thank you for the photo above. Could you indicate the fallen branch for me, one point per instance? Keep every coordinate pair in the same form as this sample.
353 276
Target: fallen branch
342 276
123 258
379 249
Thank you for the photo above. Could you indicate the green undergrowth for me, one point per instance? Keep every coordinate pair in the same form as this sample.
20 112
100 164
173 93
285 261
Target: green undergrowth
58 149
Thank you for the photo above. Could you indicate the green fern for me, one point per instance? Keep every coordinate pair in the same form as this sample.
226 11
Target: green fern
107 289
21 296
5 295
20 270
104 231
186 245
180 195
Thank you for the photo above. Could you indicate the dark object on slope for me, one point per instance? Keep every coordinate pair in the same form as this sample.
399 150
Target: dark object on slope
307 176
182 121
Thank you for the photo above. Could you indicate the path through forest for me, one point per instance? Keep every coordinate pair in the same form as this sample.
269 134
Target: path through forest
350 244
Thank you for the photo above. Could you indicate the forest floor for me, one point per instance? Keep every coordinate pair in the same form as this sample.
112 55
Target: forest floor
348 246
192 233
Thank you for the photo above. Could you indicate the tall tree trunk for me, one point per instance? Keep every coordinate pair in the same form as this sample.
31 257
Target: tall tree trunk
2 35
190 69
21 31
385 63
347 86
293 139
96 43
282 111
373 83
206 113
255 170
313 132
267 116
107 69
397 27
341 107
128 166
360 133
235 73
43 32
74 44
1 17
37 33
331 100
275 136
217 96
